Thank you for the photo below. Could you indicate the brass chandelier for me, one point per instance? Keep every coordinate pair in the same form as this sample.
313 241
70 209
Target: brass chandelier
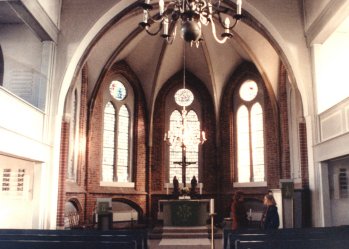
192 14
182 135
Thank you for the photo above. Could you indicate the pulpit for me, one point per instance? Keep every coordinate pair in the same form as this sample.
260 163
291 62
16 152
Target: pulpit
184 212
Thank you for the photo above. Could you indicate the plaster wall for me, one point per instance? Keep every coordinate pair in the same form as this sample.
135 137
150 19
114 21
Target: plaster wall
52 8
284 22
312 9
331 70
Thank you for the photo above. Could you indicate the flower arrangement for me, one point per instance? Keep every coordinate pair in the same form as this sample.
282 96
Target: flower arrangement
184 190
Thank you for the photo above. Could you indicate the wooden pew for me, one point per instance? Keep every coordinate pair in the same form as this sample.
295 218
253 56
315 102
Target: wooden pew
45 244
293 244
286 238
137 237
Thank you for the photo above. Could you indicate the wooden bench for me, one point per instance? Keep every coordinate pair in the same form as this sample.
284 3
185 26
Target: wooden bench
136 239
44 244
325 237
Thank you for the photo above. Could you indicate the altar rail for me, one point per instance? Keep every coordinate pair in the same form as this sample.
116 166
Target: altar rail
300 238
73 239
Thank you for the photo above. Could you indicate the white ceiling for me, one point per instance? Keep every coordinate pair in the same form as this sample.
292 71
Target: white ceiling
154 61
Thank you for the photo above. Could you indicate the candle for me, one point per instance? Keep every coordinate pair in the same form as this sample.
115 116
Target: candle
250 213
167 188
165 26
226 25
209 8
145 16
212 206
161 6
238 3
200 186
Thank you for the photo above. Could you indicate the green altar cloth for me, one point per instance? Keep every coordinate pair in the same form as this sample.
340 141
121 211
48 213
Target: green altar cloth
185 212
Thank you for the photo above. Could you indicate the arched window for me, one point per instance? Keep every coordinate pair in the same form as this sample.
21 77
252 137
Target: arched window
108 143
250 134
73 138
123 144
191 150
175 151
116 165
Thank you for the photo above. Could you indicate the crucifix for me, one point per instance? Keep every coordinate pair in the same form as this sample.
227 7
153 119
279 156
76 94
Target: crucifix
184 164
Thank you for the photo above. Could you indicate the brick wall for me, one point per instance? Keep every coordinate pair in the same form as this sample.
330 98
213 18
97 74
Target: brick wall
101 95
209 165
62 173
284 135
218 164
228 138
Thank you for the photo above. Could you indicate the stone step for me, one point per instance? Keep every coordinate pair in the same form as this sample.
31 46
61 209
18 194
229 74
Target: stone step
200 229
183 232
184 235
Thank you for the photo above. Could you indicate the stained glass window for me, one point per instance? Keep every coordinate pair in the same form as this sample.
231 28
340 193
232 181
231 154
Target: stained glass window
184 97
117 90
192 148
248 90
250 136
175 151
108 143
117 143
192 151
243 145
123 145
257 142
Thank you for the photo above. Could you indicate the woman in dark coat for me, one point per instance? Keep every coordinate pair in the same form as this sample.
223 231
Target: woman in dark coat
238 211
270 218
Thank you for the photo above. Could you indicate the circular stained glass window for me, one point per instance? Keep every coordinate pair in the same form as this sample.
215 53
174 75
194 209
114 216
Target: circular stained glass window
248 90
117 90
184 97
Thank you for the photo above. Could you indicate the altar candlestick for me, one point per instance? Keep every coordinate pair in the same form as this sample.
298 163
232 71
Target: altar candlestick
238 3
166 185
212 206
200 187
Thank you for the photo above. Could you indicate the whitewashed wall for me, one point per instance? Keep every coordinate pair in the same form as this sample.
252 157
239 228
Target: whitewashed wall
52 8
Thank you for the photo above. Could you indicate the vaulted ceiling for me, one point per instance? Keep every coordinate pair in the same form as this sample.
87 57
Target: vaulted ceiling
155 61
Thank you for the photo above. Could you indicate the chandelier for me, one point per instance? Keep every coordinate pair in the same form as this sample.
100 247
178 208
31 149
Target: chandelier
192 15
183 135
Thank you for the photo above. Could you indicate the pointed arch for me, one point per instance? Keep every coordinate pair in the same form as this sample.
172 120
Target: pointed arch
122 164
243 145
108 143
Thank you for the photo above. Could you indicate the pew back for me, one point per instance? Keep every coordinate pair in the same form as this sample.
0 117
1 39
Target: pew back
136 239
325 237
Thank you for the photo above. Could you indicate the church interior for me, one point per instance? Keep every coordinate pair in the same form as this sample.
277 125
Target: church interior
126 106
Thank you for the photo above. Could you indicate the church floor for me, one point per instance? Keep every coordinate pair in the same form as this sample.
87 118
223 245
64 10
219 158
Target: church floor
183 244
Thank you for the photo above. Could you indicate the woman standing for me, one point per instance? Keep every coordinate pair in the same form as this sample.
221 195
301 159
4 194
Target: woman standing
270 218
238 211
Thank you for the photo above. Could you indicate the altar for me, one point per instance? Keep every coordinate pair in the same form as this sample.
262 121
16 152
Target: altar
184 212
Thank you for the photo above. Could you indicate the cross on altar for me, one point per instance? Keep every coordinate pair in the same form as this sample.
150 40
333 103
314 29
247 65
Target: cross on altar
184 164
